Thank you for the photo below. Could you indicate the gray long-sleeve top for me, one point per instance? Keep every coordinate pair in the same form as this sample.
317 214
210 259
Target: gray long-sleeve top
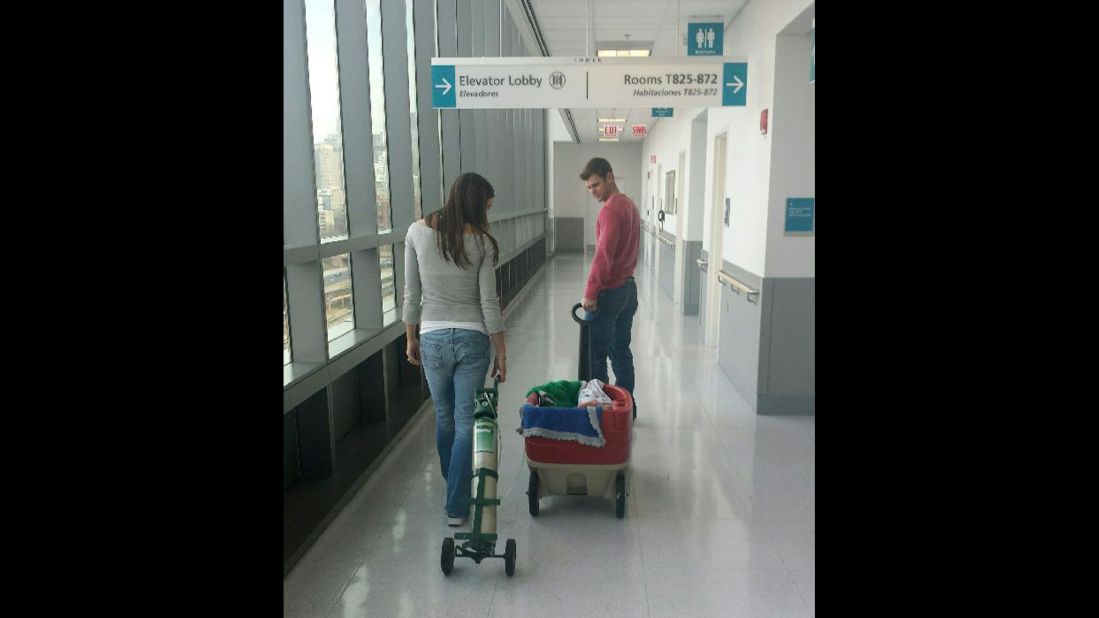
447 292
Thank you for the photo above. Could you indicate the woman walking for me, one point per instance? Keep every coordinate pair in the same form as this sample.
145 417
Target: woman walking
450 292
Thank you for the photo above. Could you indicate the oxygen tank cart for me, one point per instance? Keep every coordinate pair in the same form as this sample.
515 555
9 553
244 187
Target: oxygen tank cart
481 542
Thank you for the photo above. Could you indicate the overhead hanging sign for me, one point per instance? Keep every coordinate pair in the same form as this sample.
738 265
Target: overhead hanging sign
542 83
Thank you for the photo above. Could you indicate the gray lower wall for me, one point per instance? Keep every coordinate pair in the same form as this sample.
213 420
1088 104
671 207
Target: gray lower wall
665 259
738 342
768 347
570 233
788 347
700 276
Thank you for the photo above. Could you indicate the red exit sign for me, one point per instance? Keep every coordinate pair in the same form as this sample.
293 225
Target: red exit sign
611 130
639 130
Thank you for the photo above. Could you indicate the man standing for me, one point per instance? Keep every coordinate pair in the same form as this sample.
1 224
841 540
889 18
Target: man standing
610 296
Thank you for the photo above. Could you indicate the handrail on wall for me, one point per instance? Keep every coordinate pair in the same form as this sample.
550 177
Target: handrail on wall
737 286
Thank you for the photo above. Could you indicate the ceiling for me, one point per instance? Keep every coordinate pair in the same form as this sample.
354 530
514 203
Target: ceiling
580 27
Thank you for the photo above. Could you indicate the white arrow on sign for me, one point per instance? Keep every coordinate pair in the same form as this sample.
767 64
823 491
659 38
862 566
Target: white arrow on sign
448 86
739 84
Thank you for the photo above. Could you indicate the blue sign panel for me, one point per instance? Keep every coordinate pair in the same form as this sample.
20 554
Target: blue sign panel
734 80
443 93
705 39
662 112
799 214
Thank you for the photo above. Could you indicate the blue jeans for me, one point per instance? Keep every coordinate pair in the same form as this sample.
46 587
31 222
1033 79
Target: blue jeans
456 362
610 334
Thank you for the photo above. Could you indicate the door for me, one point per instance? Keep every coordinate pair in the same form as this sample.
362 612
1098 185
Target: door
711 311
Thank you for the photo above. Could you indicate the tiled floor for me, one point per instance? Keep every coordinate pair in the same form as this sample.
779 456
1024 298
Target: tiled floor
720 513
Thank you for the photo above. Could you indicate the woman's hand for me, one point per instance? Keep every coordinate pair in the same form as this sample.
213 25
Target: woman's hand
500 367
412 351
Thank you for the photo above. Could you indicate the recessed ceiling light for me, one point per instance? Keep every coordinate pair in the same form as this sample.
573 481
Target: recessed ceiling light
622 53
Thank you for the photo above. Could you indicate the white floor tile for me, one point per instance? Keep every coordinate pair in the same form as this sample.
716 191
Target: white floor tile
695 591
720 508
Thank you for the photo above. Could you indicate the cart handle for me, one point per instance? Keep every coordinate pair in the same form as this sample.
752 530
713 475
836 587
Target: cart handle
580 321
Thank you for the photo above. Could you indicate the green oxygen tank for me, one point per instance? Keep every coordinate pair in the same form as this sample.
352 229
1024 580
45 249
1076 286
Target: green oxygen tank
485 457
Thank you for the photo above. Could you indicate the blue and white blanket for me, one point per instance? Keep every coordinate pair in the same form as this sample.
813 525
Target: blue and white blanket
578 424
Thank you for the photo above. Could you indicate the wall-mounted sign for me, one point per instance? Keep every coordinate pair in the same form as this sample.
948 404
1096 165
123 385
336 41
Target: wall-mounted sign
543 83
652 158
639 130
726 212
705 39
662 112
799 215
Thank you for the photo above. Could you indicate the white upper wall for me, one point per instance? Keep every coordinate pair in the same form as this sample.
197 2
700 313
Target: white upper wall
749 163
555 132
793 161
667 139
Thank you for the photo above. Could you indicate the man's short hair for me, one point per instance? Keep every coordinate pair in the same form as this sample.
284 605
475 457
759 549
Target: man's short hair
598 167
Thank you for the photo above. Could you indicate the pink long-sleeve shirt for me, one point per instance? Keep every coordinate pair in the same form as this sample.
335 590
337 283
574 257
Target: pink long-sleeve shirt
617 237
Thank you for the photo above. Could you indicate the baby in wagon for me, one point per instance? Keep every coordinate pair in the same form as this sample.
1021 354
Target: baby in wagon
591 394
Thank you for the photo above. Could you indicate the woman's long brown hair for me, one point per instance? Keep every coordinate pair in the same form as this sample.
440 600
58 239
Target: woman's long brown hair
467 205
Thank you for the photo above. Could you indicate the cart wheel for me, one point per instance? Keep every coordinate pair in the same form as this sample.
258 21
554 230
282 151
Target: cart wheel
532 493
447 560
509 557
620 495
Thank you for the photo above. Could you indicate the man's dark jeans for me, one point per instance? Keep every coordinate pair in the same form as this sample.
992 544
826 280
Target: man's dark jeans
610 334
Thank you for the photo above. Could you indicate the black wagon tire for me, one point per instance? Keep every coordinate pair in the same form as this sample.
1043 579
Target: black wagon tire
532 493
447 559
620 495
509 557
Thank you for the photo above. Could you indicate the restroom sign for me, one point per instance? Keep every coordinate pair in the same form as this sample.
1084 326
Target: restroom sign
705 39
639 130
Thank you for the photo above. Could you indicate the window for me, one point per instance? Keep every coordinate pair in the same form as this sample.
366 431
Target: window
324 96
377 112
338 307
389 287
410 28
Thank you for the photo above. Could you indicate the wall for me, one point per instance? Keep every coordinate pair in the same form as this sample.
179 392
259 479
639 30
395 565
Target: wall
766 347
555 132
571 198
793 160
